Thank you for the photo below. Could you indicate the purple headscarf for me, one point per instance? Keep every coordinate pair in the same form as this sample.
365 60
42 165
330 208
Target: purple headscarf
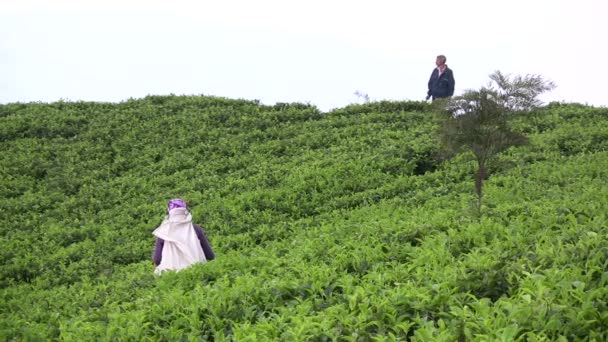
176 203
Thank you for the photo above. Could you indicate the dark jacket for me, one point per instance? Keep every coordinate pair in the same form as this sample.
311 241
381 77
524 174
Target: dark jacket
441 86
157 256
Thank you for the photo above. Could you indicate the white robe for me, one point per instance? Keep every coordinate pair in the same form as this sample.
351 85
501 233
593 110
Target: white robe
182 247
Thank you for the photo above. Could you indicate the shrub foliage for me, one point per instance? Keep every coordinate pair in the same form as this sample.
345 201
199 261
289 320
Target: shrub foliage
340 226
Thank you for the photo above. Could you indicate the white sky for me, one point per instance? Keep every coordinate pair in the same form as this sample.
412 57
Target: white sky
314 51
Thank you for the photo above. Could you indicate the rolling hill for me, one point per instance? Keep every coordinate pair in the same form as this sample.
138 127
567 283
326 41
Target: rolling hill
339 226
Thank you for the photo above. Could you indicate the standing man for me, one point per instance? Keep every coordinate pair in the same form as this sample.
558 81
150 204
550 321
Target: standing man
441 83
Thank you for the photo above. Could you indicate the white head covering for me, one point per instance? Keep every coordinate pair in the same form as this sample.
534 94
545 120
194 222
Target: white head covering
182 247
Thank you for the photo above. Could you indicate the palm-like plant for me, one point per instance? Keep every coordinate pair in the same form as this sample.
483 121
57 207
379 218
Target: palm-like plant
478 120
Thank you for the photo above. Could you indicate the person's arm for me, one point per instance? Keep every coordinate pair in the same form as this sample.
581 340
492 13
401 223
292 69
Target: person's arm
157 255
452 83
200 233
430 85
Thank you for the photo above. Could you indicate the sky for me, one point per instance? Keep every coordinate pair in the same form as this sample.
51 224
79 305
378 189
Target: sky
320 52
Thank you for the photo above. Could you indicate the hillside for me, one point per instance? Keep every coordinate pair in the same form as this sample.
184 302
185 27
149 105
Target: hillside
340 226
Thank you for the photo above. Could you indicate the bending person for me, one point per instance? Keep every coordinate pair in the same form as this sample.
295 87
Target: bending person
179 242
